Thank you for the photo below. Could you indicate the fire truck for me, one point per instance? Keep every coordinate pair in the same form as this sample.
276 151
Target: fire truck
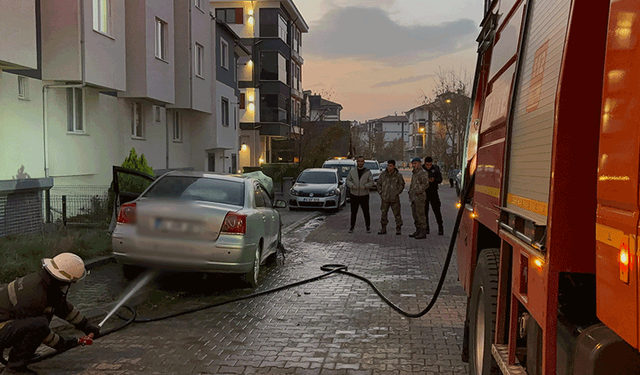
547 248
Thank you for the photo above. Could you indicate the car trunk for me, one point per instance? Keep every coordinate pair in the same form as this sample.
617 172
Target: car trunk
180 219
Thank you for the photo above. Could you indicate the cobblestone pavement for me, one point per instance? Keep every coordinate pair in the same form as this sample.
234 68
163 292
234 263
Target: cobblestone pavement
334 326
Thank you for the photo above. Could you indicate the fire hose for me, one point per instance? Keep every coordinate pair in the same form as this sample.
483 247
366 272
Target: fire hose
328 269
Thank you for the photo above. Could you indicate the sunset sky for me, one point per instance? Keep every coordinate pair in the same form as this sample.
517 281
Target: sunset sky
376 57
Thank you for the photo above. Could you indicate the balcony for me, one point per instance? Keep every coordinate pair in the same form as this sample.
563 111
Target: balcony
18 45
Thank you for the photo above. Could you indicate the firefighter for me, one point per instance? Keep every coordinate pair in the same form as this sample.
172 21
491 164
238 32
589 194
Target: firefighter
28 304
417 195
435 179
390 185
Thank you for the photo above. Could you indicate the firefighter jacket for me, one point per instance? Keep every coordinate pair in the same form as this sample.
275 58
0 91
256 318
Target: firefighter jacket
390 185
434 172
34 295
419 183
359 186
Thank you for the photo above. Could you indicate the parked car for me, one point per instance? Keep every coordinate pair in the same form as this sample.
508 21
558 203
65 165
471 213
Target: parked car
343 166
318 188
383 166
374 167
196 221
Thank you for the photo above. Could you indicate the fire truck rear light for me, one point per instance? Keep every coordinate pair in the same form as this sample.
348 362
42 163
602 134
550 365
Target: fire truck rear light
473 215
623 259
538 263
458 205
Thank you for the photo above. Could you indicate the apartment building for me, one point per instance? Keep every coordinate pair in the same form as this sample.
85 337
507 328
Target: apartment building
270 80
84 82
418 118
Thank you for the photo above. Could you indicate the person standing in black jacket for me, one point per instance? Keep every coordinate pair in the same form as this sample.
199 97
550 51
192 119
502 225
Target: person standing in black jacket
435 179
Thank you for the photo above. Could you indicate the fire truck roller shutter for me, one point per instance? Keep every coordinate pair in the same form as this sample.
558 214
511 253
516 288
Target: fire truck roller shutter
534 111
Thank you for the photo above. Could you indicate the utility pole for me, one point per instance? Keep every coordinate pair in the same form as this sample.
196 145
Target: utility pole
430 130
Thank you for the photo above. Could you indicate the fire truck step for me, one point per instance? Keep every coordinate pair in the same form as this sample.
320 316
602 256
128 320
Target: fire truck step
501 356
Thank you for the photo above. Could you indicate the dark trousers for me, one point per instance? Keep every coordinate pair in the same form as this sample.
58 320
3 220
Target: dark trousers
357 201
23 336
451 182
434 200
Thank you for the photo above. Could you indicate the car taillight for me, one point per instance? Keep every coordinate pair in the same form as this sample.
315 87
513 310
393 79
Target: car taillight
234 223
127 213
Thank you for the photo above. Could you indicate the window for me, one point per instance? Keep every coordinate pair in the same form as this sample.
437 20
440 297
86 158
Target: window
199 60
177 127
23 88
224 53
282 28
230 15
161 39
273 67
157 113
199 4
137 123
102 16
282 69
211 162
243 99
74 110
225 112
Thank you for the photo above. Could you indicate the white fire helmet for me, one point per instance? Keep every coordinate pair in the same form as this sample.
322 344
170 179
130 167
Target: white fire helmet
65 267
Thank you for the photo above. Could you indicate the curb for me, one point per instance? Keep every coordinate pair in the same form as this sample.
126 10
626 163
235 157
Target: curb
296 224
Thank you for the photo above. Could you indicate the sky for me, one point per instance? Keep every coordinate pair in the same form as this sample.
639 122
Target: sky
379 57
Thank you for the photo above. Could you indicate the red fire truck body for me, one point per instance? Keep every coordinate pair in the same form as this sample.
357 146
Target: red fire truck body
547 248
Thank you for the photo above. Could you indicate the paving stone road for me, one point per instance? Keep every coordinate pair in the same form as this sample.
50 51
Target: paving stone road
337 325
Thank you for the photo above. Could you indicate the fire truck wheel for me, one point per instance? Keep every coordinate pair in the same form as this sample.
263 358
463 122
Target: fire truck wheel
482 313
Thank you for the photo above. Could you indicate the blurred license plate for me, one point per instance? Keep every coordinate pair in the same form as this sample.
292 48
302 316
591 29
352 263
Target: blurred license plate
311 200
164 225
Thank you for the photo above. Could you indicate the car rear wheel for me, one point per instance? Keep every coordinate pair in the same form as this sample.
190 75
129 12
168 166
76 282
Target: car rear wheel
130 272
251 277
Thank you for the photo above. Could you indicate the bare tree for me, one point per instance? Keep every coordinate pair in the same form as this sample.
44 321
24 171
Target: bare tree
450 106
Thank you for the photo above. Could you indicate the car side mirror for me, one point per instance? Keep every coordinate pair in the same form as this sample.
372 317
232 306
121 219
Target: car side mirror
280 204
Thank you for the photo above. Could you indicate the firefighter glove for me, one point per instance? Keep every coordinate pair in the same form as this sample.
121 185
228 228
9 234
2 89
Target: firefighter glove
66 343
87 327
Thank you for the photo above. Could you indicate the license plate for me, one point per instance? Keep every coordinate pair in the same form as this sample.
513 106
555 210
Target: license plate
166 226
311 200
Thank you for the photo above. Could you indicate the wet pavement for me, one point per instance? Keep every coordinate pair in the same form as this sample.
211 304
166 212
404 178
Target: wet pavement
337 325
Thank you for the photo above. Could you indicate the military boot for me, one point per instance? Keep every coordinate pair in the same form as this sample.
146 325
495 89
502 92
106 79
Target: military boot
383 230
426 231
398 230
440 230
415 233
421 235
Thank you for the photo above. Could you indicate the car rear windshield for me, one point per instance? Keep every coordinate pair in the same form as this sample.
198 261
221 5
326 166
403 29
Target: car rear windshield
343 170
371 165
317 177
198 189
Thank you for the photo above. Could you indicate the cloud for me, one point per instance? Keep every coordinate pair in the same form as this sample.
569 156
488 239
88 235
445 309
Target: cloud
403 80
370 34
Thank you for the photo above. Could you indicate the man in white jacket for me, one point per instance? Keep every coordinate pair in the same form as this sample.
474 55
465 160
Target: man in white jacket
359 182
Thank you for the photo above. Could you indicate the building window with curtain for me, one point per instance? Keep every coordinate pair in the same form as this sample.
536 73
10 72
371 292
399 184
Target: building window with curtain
75 123
102 16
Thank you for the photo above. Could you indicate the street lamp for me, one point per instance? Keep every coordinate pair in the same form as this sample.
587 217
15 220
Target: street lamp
423 138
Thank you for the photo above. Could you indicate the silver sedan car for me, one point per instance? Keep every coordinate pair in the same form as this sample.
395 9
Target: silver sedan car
198 221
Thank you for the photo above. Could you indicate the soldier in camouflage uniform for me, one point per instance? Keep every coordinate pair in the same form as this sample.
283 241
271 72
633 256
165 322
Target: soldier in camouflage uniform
418 197
390 185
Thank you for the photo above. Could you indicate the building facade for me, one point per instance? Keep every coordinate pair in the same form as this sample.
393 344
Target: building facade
84 82
270 80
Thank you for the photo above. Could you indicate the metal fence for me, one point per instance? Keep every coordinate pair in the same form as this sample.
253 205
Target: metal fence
80 205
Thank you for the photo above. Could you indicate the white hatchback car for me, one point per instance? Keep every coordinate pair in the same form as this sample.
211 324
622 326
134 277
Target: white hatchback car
196 221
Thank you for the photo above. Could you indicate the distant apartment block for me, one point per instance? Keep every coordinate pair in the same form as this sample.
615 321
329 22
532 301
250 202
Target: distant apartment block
270 80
